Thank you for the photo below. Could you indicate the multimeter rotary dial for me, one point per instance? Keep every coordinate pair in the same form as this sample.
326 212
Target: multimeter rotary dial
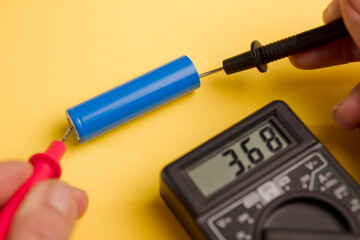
305 216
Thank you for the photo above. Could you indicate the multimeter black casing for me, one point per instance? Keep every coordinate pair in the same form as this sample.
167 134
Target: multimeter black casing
299 193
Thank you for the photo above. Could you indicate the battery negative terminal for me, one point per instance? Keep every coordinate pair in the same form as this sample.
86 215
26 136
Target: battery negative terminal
68 131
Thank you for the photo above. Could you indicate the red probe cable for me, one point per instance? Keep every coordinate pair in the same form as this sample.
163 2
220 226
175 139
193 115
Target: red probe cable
46 165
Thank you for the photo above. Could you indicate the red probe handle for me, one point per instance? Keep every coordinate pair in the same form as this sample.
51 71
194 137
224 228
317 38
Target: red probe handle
46 165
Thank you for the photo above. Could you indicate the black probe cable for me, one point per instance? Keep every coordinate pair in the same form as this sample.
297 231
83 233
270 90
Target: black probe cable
259 56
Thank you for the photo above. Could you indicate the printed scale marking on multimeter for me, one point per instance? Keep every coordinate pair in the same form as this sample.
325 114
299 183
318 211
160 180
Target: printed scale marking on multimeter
267 177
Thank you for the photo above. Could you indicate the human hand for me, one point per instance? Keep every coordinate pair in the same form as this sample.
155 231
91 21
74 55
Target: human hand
49 210
347 111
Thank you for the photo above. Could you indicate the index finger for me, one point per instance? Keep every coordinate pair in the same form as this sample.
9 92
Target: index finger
335 53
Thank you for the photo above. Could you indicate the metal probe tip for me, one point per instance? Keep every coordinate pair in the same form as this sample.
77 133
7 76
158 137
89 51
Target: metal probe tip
211 72
68 131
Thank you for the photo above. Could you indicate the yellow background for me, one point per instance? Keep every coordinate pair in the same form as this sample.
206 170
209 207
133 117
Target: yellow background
55 54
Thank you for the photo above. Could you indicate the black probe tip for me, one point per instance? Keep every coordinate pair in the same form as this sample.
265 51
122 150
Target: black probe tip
259 56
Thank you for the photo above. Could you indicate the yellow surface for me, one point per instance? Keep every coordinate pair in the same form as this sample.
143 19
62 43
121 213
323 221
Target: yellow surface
55 54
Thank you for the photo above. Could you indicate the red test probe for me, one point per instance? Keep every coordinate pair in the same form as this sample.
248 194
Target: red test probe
46 165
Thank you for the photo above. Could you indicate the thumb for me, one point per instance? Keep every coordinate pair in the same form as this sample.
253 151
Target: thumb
48 212
346 113
350 10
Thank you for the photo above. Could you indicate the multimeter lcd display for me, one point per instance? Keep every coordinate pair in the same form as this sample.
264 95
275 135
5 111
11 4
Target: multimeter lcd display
237 159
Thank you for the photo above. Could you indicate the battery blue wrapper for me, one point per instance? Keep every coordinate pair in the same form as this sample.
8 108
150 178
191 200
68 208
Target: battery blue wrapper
133 98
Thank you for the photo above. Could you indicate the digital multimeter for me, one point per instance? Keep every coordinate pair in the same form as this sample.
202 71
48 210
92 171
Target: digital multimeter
267 177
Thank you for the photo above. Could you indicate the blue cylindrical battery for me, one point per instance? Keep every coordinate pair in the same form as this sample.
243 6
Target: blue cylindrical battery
133 98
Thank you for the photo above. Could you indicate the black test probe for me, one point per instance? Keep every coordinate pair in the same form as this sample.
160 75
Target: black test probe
259 56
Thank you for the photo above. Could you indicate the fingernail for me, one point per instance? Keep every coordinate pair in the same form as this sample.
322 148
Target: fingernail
335 111
61 198
82 201
332 12
338 106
